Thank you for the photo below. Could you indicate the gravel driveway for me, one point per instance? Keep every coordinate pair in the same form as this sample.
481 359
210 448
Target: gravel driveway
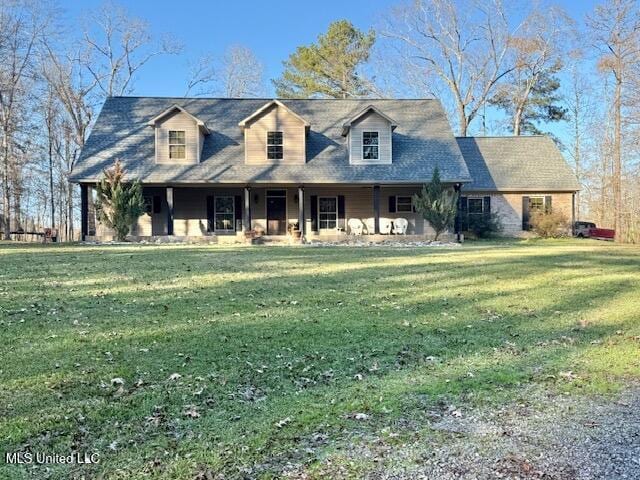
548 437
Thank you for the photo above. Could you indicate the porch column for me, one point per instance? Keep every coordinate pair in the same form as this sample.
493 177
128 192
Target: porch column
169 210
458 220
84 211
246 221
376 209
301 209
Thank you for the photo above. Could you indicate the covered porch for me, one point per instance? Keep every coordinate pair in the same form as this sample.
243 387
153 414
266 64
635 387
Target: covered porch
318 211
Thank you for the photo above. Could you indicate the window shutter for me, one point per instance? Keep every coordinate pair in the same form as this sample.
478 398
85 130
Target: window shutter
210 214
238 211
341 215
547 203
392 204
486 207
525 213
464 217
314 213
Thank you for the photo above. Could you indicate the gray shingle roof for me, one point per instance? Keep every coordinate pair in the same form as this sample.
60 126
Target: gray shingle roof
523 163
422 140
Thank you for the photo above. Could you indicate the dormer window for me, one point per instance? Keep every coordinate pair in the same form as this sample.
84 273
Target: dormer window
370 146
177 144
275 146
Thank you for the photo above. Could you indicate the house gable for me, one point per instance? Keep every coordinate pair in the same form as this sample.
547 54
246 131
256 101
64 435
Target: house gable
365 129
175 128
274 120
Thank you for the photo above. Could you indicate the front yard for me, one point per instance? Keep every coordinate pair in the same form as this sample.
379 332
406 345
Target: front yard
218 362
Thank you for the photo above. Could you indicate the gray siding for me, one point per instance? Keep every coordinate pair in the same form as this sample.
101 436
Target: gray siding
370 122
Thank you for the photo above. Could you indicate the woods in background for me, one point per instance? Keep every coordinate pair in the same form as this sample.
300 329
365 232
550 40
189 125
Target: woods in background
496 68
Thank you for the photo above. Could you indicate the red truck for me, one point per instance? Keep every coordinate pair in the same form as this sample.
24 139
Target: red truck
589 230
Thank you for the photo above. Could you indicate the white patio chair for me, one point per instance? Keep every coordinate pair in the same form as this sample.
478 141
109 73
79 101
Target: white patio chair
385 226
400 226
369 224
355 226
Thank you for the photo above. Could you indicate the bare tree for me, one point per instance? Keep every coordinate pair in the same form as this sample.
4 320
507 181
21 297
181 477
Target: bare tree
76 92
203 75
242 73
615 27
529 91
579 104
464 45
117 47
237 74
51 117
21 27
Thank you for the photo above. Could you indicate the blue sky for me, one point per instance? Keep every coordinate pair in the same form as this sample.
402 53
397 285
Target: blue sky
271 29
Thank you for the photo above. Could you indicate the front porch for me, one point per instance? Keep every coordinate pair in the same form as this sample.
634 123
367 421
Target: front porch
221 213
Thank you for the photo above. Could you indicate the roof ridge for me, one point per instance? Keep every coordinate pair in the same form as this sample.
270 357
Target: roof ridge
538 135
167 97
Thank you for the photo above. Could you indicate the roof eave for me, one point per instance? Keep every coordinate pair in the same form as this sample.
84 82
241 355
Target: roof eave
201 125
243 123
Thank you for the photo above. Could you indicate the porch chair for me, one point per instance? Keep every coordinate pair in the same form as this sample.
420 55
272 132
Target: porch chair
355 226
369 225
400 226
385 226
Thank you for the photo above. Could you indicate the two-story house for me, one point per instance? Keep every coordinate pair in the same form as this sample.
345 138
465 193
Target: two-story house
217 167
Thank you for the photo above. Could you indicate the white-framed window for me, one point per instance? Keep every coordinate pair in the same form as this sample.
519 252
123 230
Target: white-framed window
327 213
370 145
225 213
475 205
275 143
536 204
404 204
177 144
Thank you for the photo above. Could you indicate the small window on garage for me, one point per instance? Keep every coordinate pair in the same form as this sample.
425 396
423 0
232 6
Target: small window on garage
536 203
475 206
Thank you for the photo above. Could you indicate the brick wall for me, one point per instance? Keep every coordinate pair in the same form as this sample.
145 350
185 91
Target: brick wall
509 207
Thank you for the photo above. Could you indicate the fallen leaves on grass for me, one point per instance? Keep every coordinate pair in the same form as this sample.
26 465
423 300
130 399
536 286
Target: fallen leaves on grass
283 422
191 411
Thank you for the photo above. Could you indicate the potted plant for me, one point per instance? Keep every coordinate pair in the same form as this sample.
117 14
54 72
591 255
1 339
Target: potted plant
294 231
258 232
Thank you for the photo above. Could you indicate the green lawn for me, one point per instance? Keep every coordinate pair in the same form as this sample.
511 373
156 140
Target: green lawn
242 360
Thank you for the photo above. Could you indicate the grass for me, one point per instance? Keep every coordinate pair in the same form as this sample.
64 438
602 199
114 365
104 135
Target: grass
286 355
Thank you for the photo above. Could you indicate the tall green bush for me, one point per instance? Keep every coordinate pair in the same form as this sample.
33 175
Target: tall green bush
119 203
437 203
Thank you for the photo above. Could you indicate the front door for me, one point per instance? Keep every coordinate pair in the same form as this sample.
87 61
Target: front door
277 212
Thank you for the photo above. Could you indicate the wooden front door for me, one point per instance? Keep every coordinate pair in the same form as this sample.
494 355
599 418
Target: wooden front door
277 213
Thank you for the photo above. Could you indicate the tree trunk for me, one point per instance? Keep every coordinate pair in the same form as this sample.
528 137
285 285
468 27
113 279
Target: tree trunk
51 191
464 123
6 198
617 158
576 157
517 119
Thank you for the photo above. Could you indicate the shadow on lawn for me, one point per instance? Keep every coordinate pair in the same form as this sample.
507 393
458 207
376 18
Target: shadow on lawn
303 357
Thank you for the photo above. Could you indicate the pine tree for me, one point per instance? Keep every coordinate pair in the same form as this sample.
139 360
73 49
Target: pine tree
328 68
437 203
543 103
118 203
